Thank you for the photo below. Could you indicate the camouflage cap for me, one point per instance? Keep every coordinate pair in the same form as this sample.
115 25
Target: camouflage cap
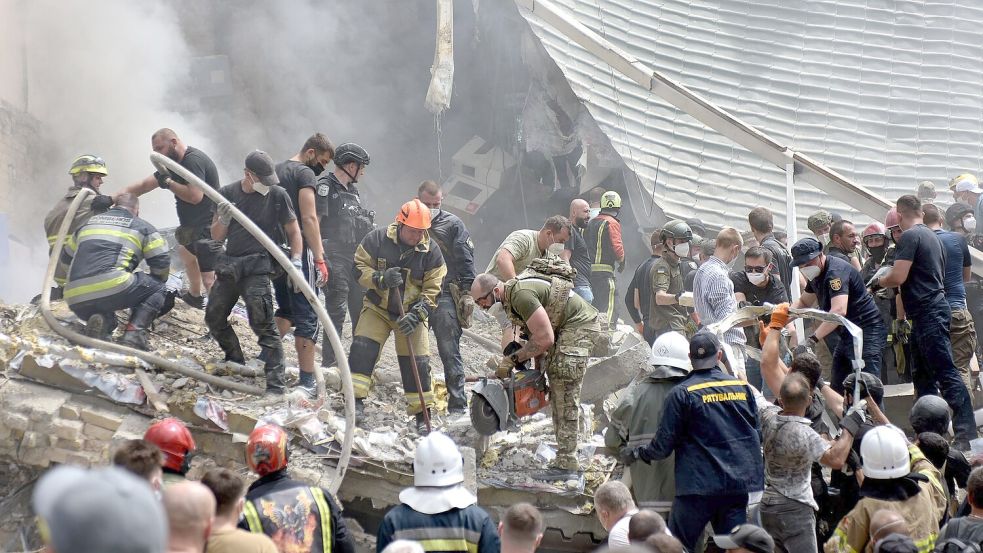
819 219
926 190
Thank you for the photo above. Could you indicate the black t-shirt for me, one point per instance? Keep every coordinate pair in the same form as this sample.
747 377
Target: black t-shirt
269 213
773 293
924 287
579 257
293 176
837 279
201 166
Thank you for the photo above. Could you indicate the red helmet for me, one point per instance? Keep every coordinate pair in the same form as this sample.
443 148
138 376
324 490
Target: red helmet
266 450
892 219
874 229
174 441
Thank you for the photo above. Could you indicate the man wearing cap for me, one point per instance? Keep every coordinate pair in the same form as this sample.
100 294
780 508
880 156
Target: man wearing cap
919 270
926 192
819 224
104 510
836 286
965 188
244 269
710 422
746 537
438 511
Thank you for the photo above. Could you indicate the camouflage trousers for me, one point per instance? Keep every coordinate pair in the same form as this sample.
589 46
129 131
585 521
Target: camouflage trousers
566 363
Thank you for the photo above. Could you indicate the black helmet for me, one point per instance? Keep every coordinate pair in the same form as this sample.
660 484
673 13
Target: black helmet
675 229
956 212
869 384
930 414
350 152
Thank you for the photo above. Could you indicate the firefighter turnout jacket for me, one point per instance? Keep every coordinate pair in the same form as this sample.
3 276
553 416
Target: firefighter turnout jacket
422 267
604 242
54 218
297 517
104 253
468 530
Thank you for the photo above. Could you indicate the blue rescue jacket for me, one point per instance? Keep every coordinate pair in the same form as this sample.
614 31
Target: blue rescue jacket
710 421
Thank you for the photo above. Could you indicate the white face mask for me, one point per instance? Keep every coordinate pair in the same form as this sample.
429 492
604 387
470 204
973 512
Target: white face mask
261 188
969 223
682 250
433 212
810 271
823 238
594 212
555 248
755 278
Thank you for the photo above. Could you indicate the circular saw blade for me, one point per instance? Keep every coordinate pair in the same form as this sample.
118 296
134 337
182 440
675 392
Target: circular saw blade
483 416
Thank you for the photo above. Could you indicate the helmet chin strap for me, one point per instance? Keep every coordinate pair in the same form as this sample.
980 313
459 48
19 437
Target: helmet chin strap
354 178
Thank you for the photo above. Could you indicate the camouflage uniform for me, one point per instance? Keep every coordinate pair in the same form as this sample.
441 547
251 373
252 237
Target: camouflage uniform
575 328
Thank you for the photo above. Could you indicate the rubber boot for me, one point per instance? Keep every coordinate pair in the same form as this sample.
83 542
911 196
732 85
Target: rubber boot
100 327
135 335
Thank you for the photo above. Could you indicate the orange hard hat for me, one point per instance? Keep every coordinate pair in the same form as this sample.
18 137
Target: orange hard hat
414 214
266 449
174 441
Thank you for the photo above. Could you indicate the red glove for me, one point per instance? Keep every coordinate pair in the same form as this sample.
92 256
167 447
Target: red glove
322 272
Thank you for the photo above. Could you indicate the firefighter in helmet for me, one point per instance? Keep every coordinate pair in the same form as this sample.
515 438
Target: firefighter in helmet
177 445
607 253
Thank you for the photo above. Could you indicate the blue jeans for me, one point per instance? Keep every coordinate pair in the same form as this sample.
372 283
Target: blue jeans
874 338
584 292
933 368
691 513
448 331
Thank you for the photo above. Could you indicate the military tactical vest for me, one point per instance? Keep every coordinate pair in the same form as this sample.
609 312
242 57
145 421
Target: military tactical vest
344 222
558 273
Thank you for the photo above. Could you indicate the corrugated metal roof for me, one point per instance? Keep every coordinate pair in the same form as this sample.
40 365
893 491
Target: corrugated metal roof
886 92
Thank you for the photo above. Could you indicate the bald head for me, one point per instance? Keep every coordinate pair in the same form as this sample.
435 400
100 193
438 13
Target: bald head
128 201
190 510
886 522
483 284
163 134
643 524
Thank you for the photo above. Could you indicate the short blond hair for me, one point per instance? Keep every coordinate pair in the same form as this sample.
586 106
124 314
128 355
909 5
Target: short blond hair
728 237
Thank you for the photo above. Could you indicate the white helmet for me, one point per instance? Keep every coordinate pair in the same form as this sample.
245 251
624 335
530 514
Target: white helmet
671 350
437 462
884 450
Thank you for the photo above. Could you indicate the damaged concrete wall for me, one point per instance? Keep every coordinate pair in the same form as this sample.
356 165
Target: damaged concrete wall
20 227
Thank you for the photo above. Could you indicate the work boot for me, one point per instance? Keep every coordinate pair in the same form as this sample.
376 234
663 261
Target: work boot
198 302
99 328
359 411
135 338
135 335
275 379
564 467
421 423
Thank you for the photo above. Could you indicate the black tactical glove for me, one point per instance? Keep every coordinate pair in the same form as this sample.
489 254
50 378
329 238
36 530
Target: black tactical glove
854 419
162 180
412 319
101 203
628 455
390 278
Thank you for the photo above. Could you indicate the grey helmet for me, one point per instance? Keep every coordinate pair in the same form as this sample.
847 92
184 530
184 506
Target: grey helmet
350 152
930 414
869 384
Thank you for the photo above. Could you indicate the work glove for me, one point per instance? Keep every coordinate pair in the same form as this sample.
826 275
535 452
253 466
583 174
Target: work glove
465 309
390 278
299 265
621 266
101 203
214 247
408 322
224 212
855 417
779 317
875 281
162 180
504 368
628 455
322 273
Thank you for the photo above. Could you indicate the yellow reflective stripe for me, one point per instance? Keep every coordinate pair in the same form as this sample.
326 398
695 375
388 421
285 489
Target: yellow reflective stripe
600 241
103 231
926 544
322 505
695 387
361 383
252 518
97 286
154 244
459 544
602 267
843 544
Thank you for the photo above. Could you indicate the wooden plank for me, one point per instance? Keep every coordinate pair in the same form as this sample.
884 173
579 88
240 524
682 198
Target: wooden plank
153 394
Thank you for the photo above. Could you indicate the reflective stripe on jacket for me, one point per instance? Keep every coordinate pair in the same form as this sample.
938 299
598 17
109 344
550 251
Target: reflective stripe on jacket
604 243
422 267
468 530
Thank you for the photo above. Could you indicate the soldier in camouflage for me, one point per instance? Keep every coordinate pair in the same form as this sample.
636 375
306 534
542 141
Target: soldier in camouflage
561 329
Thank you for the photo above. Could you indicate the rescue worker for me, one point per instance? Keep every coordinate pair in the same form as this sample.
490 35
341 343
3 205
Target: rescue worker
843 243
900 337
926 192
958 270
102 277
344 222
174 440
438 512
562 329
638 415
819 224
932 414
888 484
710 422
87 171
638 296
398 263
875 244
762 225
298 176
965 188
194 210
919 270
666 285
297 517
454 304
607 249
575 250
757 285
959 217
244 270
836 287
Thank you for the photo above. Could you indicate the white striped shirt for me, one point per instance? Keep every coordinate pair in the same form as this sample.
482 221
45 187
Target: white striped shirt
713 297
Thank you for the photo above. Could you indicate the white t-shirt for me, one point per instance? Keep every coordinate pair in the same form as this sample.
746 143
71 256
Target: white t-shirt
618 536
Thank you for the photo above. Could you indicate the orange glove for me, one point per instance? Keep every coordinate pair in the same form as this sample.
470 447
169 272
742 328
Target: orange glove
779 317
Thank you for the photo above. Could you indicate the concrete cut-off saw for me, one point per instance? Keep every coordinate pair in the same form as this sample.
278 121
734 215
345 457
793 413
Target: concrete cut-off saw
498 405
